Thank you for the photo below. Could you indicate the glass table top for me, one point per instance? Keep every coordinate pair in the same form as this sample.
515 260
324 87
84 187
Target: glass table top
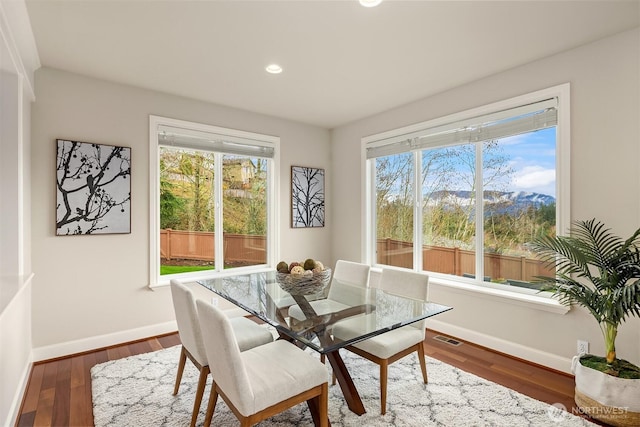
310 319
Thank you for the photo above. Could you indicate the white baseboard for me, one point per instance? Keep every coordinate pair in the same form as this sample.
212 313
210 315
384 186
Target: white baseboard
14 409
100 341
517 350
543 358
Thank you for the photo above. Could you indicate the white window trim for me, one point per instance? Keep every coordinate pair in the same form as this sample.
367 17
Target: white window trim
273 239
528 298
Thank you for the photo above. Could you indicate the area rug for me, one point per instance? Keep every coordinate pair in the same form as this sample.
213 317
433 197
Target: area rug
137 391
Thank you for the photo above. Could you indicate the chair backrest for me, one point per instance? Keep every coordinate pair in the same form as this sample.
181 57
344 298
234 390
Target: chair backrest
226 365
406 284
349 273
187 318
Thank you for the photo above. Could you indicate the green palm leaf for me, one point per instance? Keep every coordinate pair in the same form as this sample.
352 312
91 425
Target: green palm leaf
595 269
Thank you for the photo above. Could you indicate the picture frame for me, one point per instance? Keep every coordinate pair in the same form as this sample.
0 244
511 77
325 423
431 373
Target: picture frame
93 188
307 197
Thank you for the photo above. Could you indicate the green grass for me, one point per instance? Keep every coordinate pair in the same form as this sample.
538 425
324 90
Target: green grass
175 269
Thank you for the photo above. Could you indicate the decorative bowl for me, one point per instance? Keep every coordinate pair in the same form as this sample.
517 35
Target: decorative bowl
299 284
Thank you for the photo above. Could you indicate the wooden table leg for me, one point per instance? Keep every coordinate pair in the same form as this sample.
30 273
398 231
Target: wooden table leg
349 391
351 395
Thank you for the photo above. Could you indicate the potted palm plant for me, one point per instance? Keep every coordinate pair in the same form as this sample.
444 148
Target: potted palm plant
599 271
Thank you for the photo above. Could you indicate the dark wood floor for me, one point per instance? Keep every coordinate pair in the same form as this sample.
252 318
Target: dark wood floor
59 391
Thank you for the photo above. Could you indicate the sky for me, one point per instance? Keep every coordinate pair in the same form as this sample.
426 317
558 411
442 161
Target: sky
533 158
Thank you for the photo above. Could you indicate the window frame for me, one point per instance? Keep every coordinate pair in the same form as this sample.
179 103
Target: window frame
528 296
273 209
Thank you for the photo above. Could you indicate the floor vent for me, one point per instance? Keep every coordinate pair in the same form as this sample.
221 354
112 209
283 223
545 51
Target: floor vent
447 340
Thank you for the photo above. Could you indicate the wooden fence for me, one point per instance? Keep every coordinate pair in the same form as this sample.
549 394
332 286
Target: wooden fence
199 245
460 262
246 249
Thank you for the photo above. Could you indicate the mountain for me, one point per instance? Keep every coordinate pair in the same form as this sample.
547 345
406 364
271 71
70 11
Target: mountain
497 201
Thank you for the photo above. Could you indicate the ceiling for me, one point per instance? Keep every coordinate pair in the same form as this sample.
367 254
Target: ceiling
341 61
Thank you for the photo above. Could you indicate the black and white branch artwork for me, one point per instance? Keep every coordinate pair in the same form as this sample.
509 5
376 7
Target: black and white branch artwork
307 197
93 188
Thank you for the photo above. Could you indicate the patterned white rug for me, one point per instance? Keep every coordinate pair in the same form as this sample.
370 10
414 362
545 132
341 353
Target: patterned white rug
137 391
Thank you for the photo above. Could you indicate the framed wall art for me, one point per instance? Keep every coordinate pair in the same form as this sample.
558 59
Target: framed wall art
307 197
93 188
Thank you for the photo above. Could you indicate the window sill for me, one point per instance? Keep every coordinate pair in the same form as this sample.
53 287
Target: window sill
528 298
532 299
193 277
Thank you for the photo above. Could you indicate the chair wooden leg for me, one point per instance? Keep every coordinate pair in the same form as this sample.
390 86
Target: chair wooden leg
213 399
333 375
319 407
202 382
183 359
384 365
323 404
423 363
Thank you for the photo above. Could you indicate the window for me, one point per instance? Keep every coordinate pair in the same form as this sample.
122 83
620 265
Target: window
464 195
212 199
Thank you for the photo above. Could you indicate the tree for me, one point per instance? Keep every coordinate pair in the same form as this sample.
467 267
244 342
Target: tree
245 203
448 185
459 162
197 169
187 188
171 206
394 197
186 193
257 202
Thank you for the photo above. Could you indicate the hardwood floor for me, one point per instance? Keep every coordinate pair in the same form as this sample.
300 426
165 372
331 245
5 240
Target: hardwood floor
532 380
59 391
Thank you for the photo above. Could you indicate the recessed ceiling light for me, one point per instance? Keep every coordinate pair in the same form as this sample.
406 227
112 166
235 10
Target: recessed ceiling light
370 3
274 69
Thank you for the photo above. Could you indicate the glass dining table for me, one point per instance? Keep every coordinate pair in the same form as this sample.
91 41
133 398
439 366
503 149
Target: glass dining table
261 295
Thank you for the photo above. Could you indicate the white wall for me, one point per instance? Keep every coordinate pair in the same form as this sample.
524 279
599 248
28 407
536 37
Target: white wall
92 290
17 62
605 183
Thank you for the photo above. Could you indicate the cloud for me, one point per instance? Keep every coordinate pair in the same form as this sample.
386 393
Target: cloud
535 178
516 139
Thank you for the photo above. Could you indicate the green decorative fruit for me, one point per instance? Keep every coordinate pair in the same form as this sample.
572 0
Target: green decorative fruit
309 264
282 267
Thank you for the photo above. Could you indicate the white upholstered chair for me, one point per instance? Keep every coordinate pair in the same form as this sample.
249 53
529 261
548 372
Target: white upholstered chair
249 334
352 274
349 281
388 347
263 381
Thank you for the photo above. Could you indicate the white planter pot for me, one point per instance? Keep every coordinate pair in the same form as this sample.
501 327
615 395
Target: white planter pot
613 400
